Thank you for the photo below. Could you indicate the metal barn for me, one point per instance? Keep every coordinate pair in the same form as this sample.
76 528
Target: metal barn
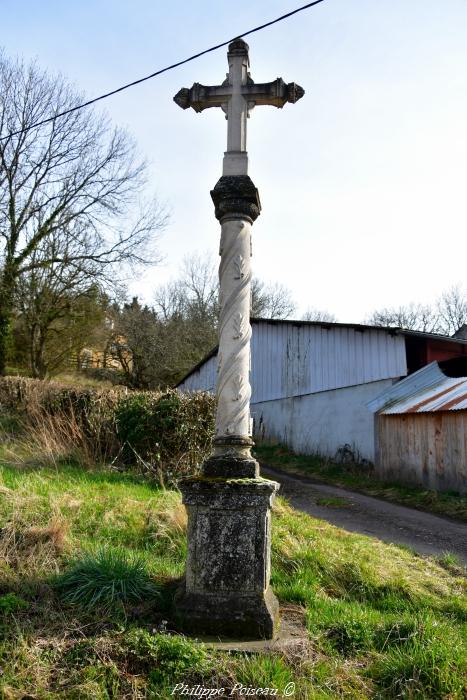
311 381
421 428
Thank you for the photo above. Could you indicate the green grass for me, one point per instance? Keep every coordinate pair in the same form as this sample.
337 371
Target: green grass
382 622
359 478
333 502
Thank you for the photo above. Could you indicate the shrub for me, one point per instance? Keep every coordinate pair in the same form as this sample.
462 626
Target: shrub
103 579
167 434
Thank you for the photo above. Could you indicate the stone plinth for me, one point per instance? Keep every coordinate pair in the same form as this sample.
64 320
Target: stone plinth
226 590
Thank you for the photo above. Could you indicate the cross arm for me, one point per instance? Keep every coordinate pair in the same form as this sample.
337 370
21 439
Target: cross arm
277 93
202 96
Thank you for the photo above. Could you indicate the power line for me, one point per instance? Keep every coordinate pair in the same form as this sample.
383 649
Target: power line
159 72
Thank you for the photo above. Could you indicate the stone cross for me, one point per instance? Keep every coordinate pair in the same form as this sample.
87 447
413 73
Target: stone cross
226 589
237 96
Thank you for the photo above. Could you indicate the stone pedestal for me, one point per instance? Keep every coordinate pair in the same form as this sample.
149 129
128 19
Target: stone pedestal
226 590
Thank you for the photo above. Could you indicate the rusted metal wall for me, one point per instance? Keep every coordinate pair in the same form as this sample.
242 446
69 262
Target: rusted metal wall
423 449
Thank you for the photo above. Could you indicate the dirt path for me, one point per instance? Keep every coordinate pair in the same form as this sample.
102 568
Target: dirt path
425 533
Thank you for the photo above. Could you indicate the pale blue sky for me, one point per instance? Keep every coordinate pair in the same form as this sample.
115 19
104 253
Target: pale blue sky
363 182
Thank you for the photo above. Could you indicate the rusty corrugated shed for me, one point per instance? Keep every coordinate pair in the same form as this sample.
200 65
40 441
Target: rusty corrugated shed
426 391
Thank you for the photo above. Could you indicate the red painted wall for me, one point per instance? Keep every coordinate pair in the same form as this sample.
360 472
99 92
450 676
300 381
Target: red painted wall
439 350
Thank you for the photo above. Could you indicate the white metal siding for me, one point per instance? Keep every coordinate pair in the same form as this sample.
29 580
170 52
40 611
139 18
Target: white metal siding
291 359
297 359
204 379
321 423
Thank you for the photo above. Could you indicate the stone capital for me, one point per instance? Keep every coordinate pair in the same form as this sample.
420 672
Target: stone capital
236 196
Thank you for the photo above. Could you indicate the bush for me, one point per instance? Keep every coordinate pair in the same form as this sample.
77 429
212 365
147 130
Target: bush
167 434
110 576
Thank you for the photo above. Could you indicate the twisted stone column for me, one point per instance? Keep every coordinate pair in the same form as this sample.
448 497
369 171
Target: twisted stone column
237 206
233 387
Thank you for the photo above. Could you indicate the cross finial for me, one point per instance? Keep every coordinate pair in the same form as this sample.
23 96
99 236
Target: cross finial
239 47
237 95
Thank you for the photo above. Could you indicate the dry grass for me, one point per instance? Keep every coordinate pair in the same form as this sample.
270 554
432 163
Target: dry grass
58 438
32 550
163 435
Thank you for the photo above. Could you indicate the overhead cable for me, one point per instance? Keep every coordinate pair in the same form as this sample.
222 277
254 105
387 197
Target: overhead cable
159 72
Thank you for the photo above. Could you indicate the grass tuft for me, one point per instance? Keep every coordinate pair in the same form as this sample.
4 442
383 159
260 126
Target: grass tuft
334 502
11 603
110 576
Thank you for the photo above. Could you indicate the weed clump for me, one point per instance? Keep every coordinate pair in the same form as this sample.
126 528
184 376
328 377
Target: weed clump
166 657
108 577
11 603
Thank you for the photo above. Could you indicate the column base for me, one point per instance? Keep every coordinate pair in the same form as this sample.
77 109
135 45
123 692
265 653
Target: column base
232 459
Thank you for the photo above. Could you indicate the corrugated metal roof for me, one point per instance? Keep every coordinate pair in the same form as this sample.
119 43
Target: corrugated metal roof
425 391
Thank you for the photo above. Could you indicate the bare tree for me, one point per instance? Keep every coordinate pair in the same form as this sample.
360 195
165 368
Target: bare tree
200 285
417 317
188 310
195 293
271 300
446 316
59 304
313 314
452 309
73 174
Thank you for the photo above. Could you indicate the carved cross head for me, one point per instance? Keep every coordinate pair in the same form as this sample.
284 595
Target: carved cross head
236 96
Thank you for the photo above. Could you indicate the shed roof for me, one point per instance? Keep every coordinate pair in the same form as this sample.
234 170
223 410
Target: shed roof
440 386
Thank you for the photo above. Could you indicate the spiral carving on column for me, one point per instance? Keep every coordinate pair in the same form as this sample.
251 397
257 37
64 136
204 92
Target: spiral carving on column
233 387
